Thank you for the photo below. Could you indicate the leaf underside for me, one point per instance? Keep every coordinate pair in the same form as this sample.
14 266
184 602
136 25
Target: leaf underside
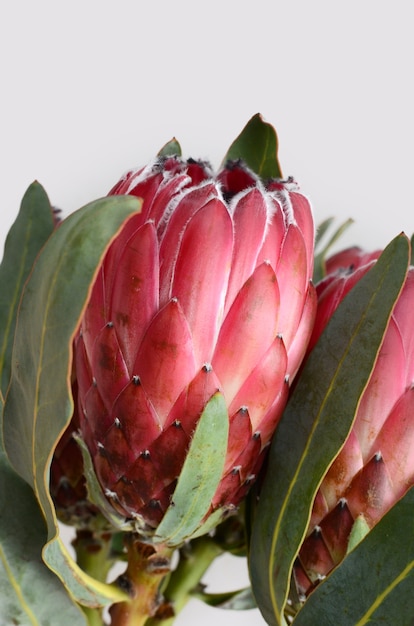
39 404
25 581
200 475
31 229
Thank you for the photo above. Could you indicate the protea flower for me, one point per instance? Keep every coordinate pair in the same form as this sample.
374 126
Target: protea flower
375 467
207 289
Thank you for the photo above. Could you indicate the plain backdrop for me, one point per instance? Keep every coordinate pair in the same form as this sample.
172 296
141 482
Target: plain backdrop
91 88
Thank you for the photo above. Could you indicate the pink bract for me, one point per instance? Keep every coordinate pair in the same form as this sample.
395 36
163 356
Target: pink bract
207 289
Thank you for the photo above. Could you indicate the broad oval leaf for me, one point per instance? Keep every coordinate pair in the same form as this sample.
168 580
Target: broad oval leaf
39 404
32 227
316 423
374 583
25 581
257 146
200 475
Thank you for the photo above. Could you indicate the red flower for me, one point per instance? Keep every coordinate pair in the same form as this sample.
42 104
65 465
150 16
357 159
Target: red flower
207 289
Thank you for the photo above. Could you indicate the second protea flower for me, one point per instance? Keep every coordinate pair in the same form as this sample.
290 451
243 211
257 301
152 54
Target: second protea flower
207 289
375 467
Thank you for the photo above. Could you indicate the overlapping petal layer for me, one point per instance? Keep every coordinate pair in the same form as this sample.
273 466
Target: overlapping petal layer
208 289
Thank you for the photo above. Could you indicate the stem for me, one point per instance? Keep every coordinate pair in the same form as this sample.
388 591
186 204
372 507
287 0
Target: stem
93 555
147 566
195 558
94 616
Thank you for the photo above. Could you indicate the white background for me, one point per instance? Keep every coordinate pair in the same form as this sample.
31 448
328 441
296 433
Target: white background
92 88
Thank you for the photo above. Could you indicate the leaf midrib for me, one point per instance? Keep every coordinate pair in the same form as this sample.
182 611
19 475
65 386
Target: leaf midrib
17 590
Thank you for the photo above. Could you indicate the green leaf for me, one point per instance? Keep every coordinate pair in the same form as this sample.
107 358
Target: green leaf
39 403
359 529
200 475
257 146
320 255
85 589
171 148
315 424
240 600
32 227
322 229
374 583
213 520
25 581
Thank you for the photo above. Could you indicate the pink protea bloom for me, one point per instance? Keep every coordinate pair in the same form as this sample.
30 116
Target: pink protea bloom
207 289
375 467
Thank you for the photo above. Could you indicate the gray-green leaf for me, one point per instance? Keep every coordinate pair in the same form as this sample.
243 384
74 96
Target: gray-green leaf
200 475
